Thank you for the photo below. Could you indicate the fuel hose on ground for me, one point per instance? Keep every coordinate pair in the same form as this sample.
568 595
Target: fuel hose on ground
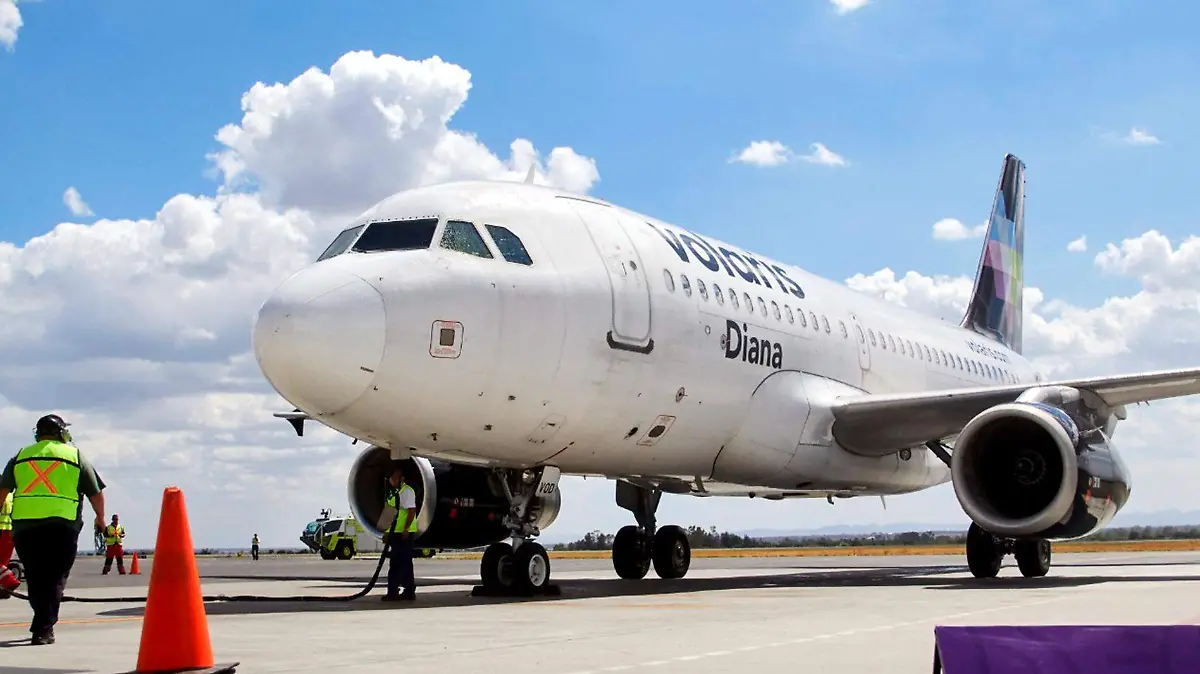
241 597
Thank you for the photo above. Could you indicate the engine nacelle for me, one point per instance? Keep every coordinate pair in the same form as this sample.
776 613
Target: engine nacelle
457 506
1026 469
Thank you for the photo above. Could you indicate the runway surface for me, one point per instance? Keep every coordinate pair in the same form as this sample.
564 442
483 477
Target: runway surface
861 614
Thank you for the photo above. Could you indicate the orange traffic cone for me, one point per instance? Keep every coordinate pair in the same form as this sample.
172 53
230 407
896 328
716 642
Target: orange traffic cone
175 627
134 569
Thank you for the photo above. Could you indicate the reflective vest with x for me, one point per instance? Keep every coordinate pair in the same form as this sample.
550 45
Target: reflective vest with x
47 477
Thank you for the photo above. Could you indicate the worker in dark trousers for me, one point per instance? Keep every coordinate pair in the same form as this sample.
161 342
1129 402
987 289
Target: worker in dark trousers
403 498
254 547
48 481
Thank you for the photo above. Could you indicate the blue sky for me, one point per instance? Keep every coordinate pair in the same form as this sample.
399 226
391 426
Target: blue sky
922 98
121 99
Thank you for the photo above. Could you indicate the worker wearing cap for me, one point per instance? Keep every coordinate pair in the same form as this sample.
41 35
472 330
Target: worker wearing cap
254 547
48 481
403 498
114 537
8 581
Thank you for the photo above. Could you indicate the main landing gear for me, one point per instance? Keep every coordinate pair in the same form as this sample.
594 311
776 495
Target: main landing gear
985 552
522 567
637 547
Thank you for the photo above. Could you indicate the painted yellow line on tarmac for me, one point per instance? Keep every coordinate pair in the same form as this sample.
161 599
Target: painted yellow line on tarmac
81 621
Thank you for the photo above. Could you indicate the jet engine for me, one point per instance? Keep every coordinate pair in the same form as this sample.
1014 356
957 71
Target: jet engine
457 506
1040 467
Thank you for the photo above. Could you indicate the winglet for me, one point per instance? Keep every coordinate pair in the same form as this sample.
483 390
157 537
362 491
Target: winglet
296 418
996 305
532 172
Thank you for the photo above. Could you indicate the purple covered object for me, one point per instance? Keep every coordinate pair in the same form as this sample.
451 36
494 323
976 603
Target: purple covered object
1068 649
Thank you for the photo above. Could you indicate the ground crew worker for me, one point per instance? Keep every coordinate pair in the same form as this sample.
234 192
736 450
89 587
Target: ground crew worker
48 480
254 547
8 581
114 546
403 498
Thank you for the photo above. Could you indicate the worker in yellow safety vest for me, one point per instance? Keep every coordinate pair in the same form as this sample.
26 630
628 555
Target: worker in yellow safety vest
403 498
8 581
48 481
114 539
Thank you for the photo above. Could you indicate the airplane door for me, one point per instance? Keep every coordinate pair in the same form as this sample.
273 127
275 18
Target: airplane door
864 349
626 276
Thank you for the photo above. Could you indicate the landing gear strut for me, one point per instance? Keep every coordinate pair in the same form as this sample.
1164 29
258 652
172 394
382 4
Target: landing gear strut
985 552
637 547
520 567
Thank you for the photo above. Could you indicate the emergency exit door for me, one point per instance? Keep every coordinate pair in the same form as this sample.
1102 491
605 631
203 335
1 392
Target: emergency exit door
626 276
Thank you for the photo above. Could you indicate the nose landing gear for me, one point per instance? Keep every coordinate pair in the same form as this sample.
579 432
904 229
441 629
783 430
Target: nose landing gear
520 567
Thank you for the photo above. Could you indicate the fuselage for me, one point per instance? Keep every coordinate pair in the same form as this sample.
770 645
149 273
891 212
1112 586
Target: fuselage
515 325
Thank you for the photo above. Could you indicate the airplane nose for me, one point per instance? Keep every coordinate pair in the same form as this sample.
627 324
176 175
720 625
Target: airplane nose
320 337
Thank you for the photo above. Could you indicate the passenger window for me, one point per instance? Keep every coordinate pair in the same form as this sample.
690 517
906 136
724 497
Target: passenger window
685 284
669 280
463 237
871 334
803 320
718 294
910 349
845 333
927 354
775 310
341 243
703 291
862 339
791 316
733 300
381 237
891 342
813 316
762 306
749 302
825 324
509 245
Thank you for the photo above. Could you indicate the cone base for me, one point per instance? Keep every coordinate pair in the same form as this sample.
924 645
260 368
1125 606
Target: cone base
224 668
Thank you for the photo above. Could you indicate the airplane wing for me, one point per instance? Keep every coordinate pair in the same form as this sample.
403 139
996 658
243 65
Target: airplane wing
876 425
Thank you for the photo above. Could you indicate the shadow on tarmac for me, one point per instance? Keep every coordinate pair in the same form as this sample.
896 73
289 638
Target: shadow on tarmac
914 576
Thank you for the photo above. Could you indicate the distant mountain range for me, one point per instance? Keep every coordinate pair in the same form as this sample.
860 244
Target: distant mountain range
1133 519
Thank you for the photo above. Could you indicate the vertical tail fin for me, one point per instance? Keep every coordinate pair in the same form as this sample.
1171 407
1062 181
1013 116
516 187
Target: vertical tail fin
996 305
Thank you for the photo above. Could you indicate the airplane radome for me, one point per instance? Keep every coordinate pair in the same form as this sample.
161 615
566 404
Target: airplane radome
494 336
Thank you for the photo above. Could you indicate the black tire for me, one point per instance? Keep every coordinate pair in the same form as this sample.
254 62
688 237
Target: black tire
495 569
984 553
1033 557
530 567
631 553
672 553
345 550
326 554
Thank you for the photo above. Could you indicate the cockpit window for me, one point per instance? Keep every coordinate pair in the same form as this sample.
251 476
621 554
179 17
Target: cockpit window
510 245
396 235
341 243
463 237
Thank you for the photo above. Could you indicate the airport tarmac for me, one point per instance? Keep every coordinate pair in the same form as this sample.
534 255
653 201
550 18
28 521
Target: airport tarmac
861 614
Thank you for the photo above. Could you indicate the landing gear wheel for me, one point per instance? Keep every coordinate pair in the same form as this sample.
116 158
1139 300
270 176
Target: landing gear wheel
531 567
672 552
631 553
496 567
984 553
1033 557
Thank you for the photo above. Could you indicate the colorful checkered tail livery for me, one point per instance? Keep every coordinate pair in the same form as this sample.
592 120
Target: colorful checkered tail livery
996 307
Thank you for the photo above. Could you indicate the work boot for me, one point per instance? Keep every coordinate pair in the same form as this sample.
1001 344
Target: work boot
44 638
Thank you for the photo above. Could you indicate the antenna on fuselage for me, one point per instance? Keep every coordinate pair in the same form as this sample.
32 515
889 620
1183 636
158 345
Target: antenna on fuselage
529 176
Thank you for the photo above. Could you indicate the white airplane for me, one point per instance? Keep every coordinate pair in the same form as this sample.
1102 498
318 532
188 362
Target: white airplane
493 336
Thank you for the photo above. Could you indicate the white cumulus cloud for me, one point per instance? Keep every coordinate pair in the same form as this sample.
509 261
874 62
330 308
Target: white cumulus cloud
74 201
847 6
1078 245
774 153
10 23
952 229
1138 136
